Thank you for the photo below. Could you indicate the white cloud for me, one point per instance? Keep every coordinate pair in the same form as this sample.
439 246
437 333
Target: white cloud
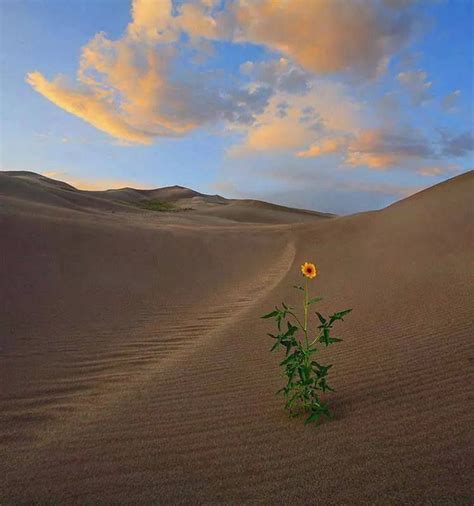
417 84
450 101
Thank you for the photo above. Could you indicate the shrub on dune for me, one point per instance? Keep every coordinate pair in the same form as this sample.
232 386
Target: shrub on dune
306 377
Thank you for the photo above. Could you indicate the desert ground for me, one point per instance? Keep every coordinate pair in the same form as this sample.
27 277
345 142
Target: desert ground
134 367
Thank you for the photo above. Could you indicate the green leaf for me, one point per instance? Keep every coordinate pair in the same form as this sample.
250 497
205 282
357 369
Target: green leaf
278 319
288 359
275 346
313 301
325 336
298 287
314 417
271 315
291 329
322 369
339 316
323 385
321 318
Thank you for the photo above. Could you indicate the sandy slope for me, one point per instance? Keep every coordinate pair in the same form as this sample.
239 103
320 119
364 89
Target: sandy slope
32 188
134 367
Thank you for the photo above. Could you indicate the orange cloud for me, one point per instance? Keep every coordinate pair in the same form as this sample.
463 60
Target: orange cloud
88 106
152 21
326 147
375 148
136 88
378 161
136 78
292 122
325 36
380 149
94 184
195 21
437 170
135 92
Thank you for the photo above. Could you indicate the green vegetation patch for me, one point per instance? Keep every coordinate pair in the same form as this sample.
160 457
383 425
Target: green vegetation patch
156 205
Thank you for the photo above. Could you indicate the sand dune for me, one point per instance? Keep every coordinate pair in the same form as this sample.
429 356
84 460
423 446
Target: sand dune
32 188
134 366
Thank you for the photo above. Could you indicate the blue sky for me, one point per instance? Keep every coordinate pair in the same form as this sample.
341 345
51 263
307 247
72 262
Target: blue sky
332 105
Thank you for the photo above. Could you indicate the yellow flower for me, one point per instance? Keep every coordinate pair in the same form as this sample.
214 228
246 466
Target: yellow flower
309 270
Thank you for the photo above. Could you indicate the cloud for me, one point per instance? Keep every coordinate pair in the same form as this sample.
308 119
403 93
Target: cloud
450 101
321 190
457 145
225 187
292 122
94 184
134 92
322 36
145 85
194 19
326 182
381 149
417 85
325 147
160 96
279 74
437 170
399 4
327 36
375 148
88 106
152 21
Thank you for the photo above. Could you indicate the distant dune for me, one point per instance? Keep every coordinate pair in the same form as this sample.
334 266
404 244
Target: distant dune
35 188
134 367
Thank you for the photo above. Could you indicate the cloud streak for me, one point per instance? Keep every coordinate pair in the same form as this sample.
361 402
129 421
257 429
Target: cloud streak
94 184
375 148
88 106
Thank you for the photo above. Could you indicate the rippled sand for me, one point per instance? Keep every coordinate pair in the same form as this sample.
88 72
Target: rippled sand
134 367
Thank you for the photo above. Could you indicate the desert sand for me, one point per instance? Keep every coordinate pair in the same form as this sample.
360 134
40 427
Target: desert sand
134 367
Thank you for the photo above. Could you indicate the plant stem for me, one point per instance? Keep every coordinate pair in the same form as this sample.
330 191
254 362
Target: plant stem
297 320
307 356
306 312
312 342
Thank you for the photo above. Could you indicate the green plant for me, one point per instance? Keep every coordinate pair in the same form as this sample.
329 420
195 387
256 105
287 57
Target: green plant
156 205
306 377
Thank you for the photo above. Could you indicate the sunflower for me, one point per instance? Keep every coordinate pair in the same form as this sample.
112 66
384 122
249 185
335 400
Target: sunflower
309 270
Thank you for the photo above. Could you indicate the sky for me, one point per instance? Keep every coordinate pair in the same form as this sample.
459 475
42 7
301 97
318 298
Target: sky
334 105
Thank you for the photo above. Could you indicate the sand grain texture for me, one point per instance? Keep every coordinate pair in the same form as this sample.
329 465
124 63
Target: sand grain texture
134 367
